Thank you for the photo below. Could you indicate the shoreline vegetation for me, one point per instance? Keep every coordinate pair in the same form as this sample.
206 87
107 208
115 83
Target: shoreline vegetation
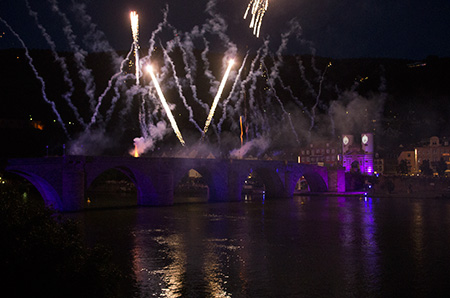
46 252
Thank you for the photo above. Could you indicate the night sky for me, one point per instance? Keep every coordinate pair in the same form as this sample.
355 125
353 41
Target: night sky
338 29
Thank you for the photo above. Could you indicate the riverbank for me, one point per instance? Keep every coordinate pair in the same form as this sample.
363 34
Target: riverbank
398 187
414 195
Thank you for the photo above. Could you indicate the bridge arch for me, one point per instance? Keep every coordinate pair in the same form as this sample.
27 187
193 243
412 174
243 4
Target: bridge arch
191 187
206 172
315 182
141 179
114 187
47 191
270 178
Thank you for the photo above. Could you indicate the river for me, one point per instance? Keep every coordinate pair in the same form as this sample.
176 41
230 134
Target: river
300 247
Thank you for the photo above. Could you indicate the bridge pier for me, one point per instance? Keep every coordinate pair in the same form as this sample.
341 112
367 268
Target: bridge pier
155 188
73 186
336 179
290 181
226 183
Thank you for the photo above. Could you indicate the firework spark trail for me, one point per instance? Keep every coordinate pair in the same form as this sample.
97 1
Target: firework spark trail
95 115
207 70
190 65
311 48
179 87
94 39
218 95
116 97
250 77
233 88
255 115
142 117
215 25
258 9
242 131
313 109
134 18
62 63
313 67
187 49
158 29
36 73
308 83
165 105
257 118
148 114
279 62
275 95
79 54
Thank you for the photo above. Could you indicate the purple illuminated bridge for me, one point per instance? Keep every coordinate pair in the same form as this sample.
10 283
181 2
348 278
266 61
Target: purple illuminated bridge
63 181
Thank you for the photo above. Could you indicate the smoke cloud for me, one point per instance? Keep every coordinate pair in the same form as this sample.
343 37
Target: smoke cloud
147 143
354 114
90 142
255 147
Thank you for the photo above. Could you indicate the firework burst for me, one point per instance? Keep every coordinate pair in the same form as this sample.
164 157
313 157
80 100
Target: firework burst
218 95
257 8
134 18
165 105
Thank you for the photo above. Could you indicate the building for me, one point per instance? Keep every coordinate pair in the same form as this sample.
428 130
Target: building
378 165
433 151
358 156
410 157
320 153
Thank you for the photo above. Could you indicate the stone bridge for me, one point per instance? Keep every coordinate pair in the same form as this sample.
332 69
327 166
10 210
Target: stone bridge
63 181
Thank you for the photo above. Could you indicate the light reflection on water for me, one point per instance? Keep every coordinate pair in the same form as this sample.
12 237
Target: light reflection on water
300 247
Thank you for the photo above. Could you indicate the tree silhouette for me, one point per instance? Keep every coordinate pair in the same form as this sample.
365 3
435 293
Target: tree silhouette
441 167
425 168
403 167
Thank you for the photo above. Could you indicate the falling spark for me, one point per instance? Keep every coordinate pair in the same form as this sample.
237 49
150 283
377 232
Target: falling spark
242 131
134 17
165 105
258 8
216 99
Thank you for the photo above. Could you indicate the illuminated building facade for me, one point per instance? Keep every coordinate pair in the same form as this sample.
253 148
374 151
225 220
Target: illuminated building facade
322 154
378 165
358 156
410 158
432 151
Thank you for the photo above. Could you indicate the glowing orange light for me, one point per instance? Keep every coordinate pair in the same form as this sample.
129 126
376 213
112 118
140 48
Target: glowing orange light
242 131
37 124
136 152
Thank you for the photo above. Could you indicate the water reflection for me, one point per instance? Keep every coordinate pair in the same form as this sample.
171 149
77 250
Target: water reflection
304 247
159 263
347 229
370 247
417 233
198 260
